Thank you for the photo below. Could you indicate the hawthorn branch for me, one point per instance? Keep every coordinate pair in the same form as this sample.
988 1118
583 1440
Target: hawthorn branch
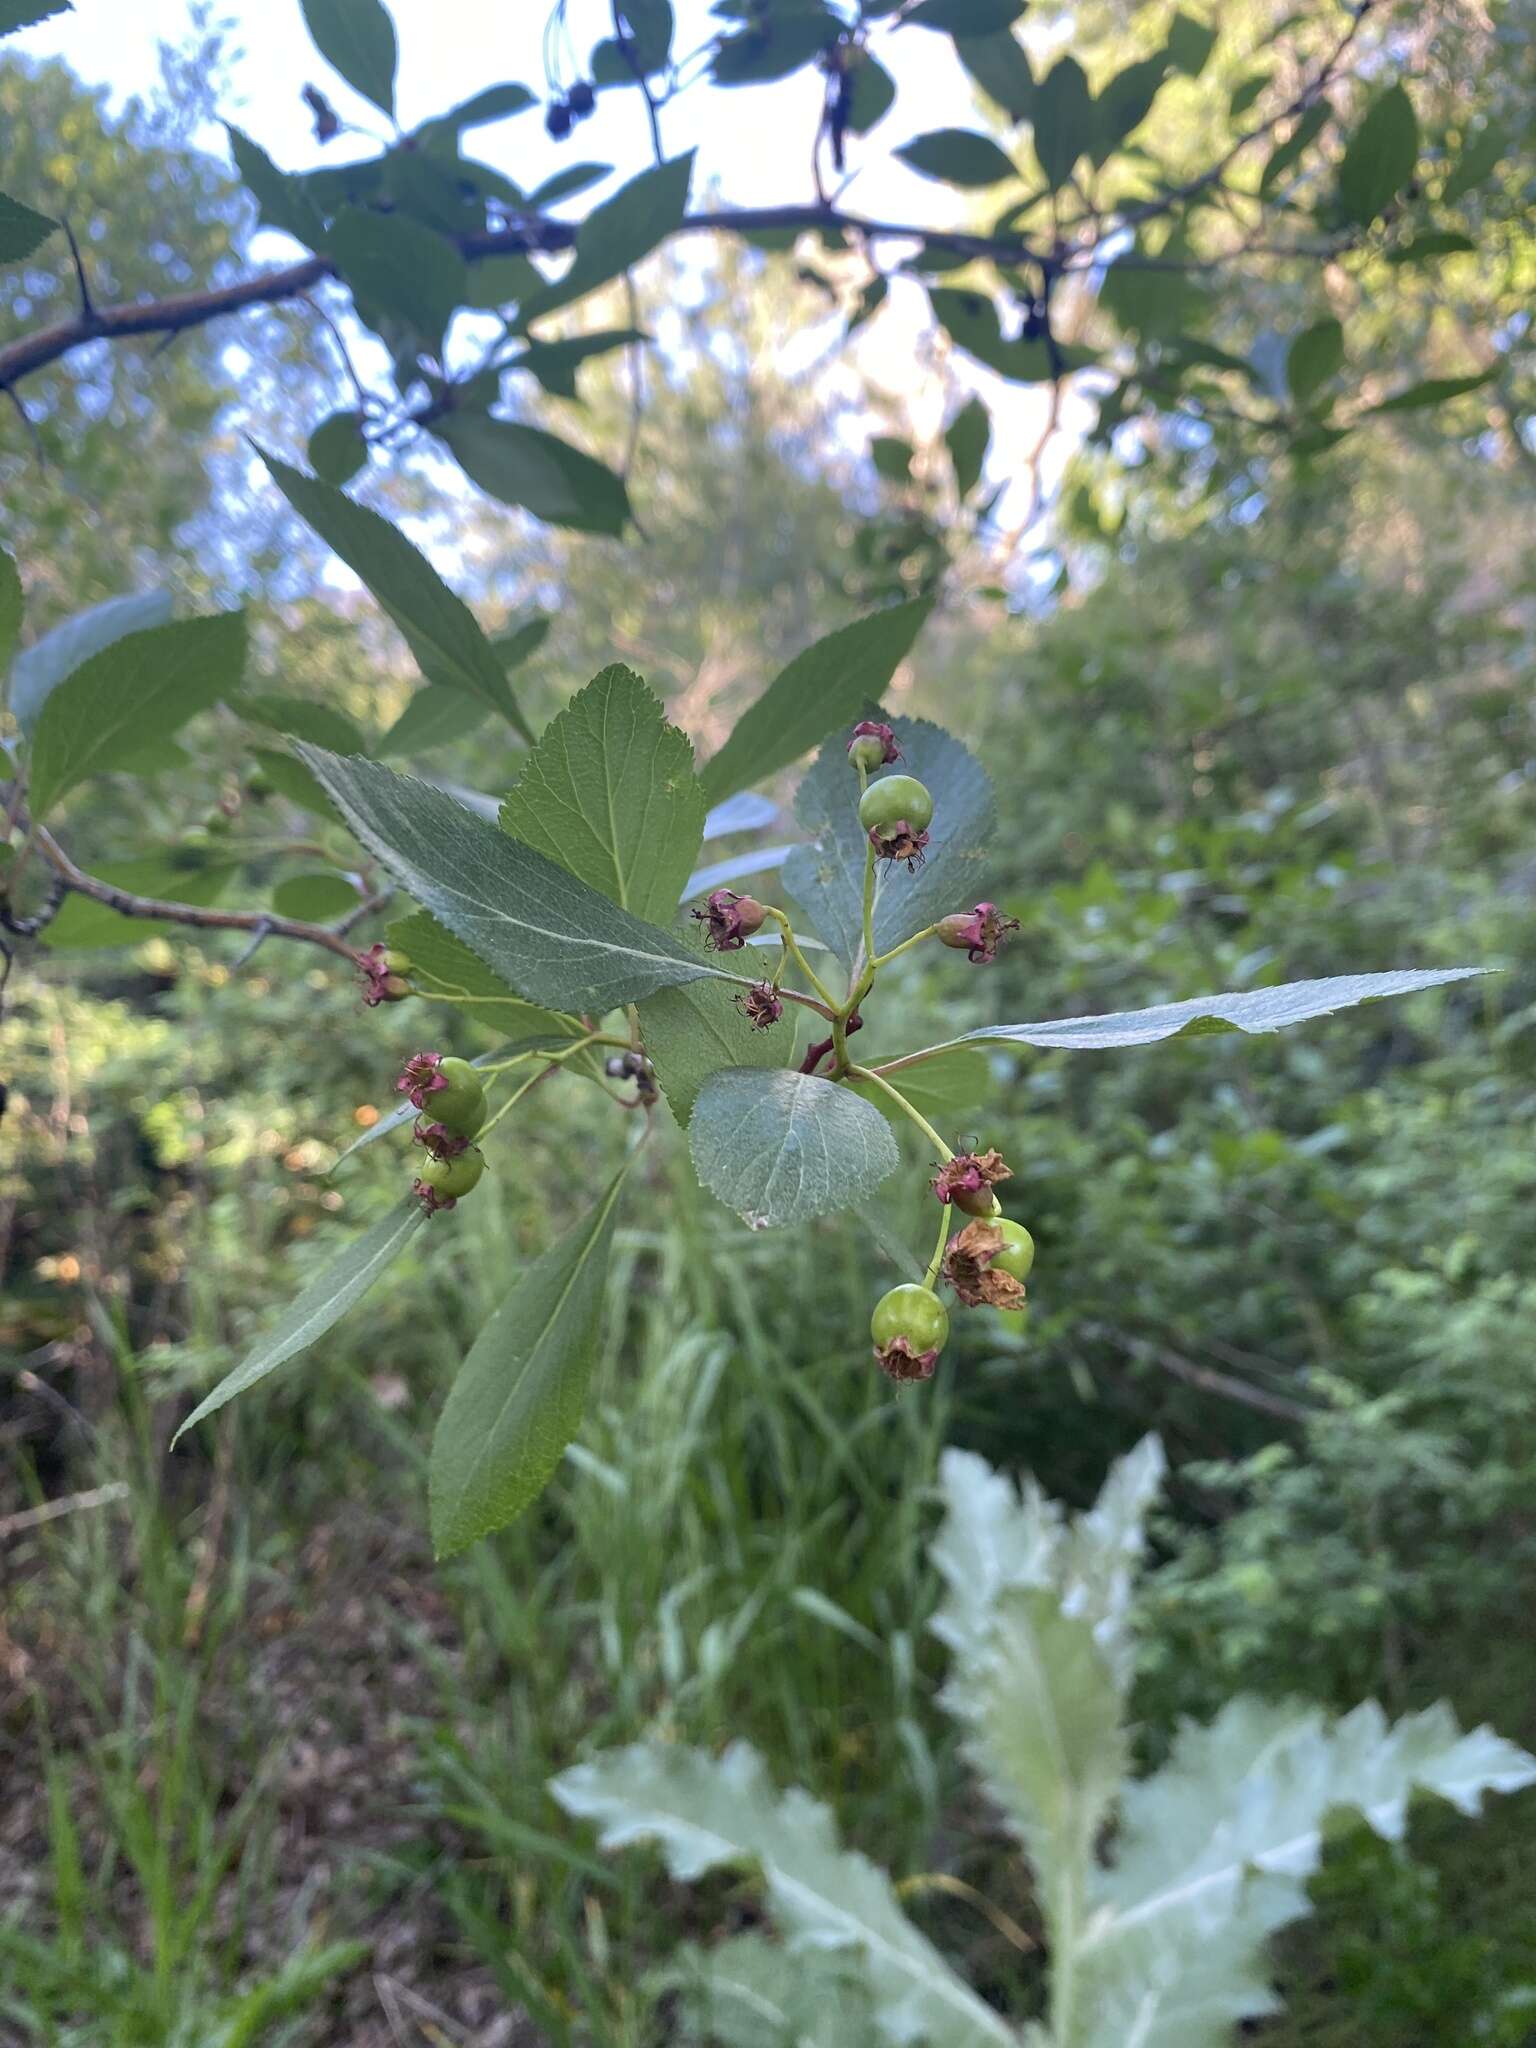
205 917
534 235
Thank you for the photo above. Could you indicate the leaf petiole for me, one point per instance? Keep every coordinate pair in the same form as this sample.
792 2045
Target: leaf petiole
869 1074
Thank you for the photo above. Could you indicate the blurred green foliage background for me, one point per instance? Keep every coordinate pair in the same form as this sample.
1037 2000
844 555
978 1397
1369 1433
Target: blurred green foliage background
271 1775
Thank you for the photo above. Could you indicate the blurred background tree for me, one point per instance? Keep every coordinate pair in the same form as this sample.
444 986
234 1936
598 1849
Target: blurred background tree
278 1777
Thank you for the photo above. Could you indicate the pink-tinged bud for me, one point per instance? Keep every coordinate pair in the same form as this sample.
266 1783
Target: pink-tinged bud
873 745
977 933
968 1179
421 1076
383 971
731 920
761 1005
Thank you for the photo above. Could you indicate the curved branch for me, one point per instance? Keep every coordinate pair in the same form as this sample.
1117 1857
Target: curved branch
261 922
174 315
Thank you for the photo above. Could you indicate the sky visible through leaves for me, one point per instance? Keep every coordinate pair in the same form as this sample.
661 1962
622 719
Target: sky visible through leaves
748 141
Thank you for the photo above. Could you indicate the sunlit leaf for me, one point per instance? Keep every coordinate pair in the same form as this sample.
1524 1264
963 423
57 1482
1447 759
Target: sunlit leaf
546 476
1381 157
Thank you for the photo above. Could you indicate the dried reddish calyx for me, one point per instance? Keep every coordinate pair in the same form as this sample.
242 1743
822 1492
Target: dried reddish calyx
449 1087
968 1179
986 1263
872 745
439 1140
761 1005
384 974
896 812
977 932
421 1076
909 1327
730 920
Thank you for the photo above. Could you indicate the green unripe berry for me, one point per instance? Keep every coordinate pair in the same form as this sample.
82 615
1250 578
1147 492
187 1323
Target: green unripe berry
1018 1252
450 1178
911 1312
461 1105
894 800
218 823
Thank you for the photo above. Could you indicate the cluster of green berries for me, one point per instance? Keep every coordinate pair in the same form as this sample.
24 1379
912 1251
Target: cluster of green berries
563 113
987 1261
450 1097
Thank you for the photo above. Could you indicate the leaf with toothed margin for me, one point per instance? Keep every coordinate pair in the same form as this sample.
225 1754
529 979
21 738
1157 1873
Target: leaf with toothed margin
1259 1009
609 792
781 1147
551 937
322 1303
830 683
826 878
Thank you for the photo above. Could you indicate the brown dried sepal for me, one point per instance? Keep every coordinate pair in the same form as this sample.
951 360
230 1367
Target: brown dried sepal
968 1179
898 1361
968 1269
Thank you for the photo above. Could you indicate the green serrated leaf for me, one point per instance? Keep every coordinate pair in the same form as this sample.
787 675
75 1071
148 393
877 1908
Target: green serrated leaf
291 779
337 450
1124 103
957 157
826 877
442 962
565 185
398 267
1380 158
301 718
321 1305
616 235
23 230
439 628
966 438
693 1032
827 684
971 320
518 1397
136 691
1260 1009
609 793
551 938
1063 120
781 1147
542 474
704 1812
357 38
